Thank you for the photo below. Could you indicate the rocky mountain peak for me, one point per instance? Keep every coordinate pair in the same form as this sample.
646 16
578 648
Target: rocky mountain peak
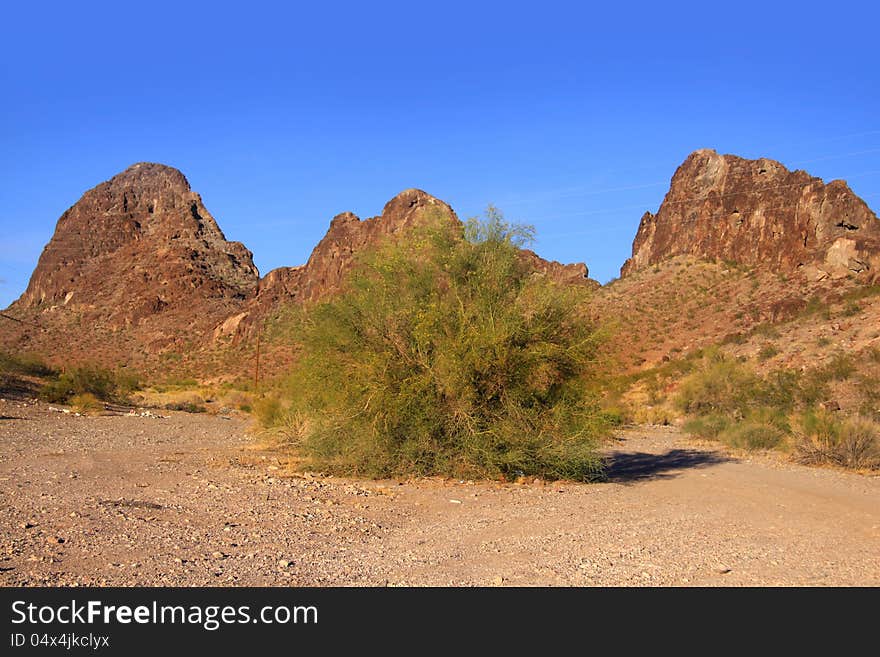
142 235
758 213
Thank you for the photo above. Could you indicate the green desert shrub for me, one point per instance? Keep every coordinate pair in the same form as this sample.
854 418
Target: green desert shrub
762 428
447 354
728 401
720 385
86 403
707 426
851 442
838 368
103 384
186 407
268 409
767 352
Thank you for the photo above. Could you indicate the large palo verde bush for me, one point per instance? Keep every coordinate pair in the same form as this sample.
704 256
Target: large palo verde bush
446 355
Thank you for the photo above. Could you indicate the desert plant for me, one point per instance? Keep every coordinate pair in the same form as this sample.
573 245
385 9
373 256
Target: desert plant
762 428
448 355
721 385
268 409
849 442
103 384
86 403
839 368
186 407
707 426
767 352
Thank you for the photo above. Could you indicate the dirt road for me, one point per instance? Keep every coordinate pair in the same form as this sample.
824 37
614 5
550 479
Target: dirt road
188 500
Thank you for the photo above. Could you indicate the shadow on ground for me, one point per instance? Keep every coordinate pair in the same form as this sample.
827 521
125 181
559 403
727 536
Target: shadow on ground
626 467
15 388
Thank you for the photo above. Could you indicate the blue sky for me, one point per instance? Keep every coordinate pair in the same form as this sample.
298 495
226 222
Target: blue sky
566 116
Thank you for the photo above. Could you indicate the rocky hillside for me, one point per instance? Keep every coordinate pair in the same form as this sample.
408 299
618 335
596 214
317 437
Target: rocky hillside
139 273
739 246
758 213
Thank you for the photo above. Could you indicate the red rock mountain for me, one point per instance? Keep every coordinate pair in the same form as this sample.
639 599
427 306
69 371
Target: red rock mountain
139 273
758 213
139 244
138 268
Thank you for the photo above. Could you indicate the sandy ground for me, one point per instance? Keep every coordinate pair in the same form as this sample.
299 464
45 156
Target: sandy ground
189 500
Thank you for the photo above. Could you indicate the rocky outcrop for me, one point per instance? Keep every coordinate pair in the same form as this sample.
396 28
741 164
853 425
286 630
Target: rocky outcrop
139 244
575 273
347 236
758 213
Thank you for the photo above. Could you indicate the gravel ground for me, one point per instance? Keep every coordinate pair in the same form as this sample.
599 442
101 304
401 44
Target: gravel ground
191 500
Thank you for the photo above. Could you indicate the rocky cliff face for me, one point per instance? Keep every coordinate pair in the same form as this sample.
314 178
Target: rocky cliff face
758 213
139 244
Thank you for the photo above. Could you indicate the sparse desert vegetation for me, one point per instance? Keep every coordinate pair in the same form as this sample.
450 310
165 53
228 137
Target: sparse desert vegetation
87 384
421 359
729 401
248 336
446 355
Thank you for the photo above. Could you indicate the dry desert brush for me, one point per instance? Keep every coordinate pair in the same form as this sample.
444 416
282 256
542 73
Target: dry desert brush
446 355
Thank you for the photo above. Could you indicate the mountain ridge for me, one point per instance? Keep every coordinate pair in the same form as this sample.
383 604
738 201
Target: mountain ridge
139 270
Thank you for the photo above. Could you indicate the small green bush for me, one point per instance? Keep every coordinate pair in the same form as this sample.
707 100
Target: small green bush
762 429
730 402
448 355
707 426
268 410
103 384
767 330
815 305
86 403
767 352
839 368
721 385
186 407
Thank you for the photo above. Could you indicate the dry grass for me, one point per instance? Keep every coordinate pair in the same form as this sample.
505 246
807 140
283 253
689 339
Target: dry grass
86 403
850 442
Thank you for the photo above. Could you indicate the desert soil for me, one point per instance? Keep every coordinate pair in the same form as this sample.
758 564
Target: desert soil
192 500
